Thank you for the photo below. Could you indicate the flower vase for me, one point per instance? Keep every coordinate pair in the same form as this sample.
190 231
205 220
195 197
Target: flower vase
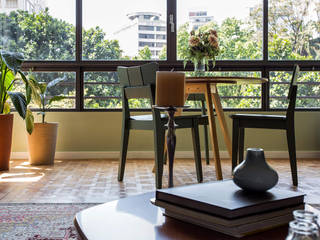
254 173
200 68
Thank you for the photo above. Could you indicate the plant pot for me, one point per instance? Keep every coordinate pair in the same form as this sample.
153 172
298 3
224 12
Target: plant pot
6 123
42 143
254 173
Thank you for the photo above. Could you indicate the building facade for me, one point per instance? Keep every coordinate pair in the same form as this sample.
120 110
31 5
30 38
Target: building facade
7 6
198 19
144 29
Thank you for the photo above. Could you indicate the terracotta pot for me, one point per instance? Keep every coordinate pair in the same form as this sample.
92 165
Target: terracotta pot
6 123
42 143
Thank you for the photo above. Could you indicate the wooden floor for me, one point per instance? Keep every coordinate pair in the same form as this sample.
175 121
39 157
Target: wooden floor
95 181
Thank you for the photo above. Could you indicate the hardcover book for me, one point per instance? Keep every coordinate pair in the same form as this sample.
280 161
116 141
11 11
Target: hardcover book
225 199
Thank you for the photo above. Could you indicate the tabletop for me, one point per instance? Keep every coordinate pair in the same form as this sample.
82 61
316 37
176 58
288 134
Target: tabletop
226 80
136 218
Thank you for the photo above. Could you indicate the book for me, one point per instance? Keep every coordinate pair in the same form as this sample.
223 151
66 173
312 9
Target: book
223 221
225 199
238 227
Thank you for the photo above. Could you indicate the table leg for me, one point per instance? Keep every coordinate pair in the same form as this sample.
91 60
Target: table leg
221 118
213 132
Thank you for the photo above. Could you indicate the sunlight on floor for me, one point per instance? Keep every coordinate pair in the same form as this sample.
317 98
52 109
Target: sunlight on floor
21 177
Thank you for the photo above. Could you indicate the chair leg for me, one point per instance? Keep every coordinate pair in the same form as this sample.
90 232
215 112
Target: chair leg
292 154
159 135
123 152
205 134
235 142
241 144
196 150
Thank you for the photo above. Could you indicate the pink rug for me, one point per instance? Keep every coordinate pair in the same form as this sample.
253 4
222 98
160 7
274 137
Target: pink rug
38 221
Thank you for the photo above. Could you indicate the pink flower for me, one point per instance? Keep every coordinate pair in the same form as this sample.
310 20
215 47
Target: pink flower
213 40
194 41
213 32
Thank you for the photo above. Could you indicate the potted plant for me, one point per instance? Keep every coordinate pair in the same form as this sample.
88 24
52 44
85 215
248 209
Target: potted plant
9 74
42 141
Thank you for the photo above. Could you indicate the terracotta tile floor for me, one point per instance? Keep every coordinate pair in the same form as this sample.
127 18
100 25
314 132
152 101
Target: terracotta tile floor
95 181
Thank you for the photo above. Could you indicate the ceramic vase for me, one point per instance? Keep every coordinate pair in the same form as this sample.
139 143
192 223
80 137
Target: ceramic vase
6 123
42 143
254 173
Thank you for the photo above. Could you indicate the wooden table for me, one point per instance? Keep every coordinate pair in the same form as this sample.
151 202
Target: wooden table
208 86
136 218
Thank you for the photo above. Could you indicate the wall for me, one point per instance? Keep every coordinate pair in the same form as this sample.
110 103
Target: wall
100 131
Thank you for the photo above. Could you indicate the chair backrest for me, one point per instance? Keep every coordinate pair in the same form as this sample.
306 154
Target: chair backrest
293 92
137 82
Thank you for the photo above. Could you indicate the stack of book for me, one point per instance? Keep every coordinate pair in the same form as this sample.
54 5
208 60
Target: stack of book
224 207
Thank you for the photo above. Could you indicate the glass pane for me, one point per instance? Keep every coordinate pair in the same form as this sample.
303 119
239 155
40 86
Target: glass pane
308 95
124 30
102 91
294 29
40 29
238 24
66 87
236 96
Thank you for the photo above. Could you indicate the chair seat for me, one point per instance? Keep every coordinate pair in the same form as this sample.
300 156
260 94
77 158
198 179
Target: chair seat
185 121
258 116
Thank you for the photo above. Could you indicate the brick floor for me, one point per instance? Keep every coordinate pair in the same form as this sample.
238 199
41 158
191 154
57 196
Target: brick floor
95 181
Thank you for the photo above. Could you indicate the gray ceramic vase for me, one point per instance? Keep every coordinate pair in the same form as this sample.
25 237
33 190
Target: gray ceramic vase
254 173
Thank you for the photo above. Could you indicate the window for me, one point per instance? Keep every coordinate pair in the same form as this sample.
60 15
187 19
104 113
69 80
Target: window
294 32
146 28
161 29
161 36
240 37
40 33
85 41
308 95
111 31
147 36
11 3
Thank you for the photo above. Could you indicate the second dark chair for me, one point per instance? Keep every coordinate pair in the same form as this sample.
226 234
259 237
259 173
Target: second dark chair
139 82
242 121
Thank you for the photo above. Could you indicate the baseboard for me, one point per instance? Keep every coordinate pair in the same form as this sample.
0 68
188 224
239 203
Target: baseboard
150 154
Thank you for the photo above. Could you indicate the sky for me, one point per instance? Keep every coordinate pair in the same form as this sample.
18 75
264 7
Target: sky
111 15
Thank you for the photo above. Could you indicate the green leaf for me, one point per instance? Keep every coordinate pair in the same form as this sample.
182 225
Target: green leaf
56 99
12 60
6 109
56 81
29 121
20 103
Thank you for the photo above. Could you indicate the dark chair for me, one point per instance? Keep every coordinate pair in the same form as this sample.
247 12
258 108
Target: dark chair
202 99
139 82
286 122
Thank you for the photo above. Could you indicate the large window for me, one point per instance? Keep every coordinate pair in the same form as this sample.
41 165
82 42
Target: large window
117 30
43 30
84 41
240 34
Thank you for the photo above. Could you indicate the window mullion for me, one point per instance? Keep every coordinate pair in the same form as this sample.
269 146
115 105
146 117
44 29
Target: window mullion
171 36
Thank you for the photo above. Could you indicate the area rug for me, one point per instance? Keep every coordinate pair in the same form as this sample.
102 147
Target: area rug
40 221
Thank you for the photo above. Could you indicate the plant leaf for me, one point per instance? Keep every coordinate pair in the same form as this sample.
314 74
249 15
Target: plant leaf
56 81
56 99
20 103
6 109
29 121
12 60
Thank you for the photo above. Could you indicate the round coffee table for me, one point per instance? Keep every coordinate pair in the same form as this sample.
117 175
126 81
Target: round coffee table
136 218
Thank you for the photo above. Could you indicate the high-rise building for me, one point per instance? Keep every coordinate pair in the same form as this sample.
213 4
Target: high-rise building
198 19
6 6
144 29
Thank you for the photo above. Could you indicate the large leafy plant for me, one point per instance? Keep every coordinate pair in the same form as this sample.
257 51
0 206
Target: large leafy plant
10 73
41 95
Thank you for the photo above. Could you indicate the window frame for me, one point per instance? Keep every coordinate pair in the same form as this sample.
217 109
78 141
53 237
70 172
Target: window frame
81 66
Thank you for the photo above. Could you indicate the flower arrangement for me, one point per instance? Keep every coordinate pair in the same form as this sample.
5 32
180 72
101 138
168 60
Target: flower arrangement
202 47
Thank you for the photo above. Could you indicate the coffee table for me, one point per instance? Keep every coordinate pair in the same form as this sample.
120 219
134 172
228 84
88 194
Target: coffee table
136 218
